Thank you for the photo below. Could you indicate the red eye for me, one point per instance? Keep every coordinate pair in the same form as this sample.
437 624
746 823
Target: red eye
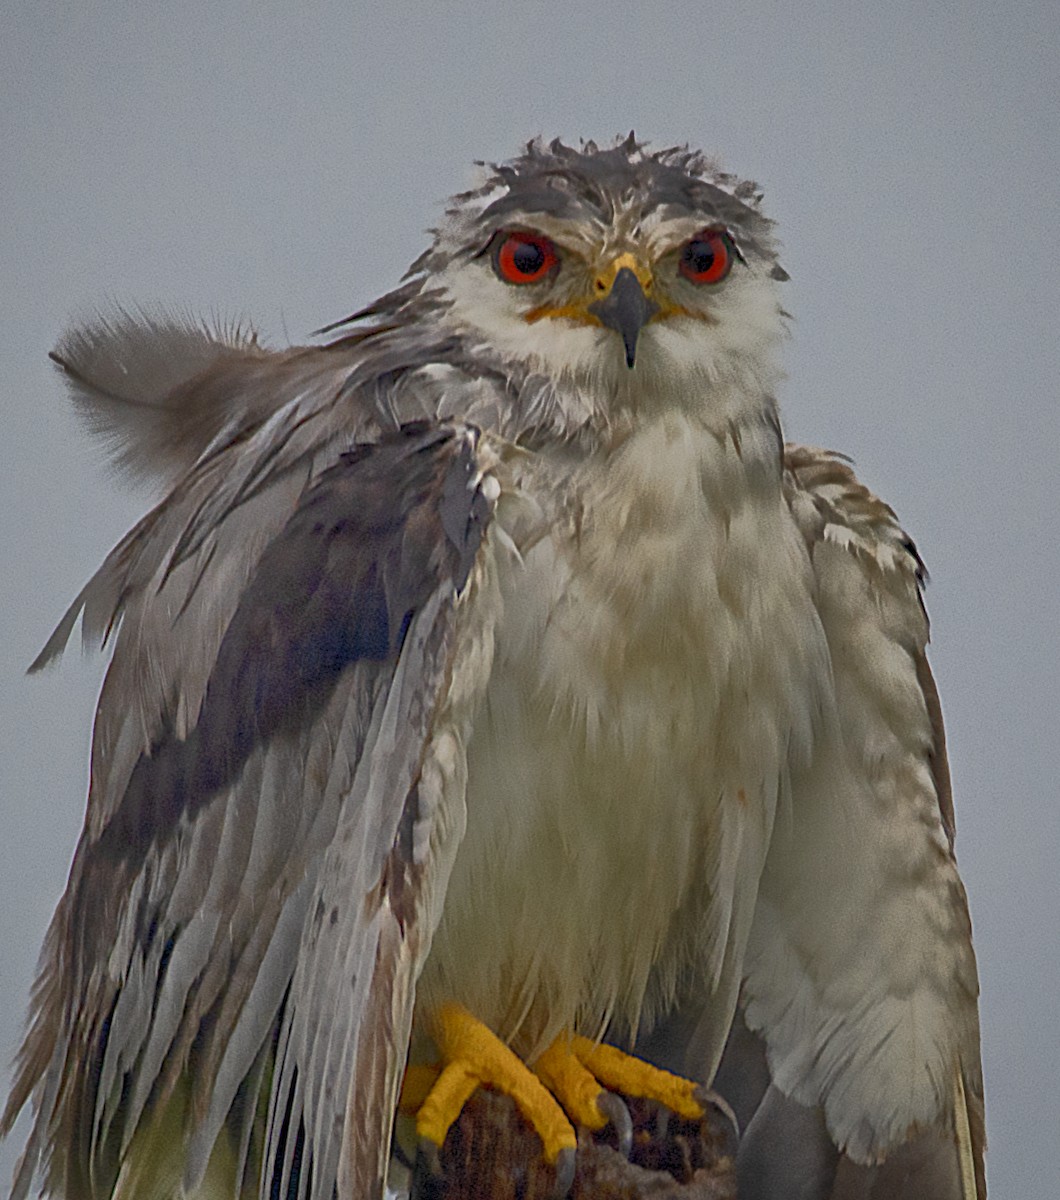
524 257
707 257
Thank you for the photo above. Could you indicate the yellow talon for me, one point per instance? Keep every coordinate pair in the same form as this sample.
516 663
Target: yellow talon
576 1088
634 1077
475 1056
452 1090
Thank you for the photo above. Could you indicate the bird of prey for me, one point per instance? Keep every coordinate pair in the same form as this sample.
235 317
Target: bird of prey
493 680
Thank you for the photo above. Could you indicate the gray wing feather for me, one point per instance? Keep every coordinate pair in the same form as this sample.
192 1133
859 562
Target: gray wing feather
860 977
336 969
246 869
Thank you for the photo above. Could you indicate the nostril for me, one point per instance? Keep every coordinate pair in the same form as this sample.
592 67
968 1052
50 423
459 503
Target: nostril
601 286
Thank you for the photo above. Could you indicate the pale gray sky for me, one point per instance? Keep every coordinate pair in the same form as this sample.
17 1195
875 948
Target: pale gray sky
280 162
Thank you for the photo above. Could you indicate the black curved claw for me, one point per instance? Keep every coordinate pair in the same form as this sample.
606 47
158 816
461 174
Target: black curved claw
662 1121
711 1099
614 1108
566 1161
428 1179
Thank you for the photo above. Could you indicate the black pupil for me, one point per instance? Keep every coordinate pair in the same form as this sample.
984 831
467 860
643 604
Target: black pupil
528 257
699 256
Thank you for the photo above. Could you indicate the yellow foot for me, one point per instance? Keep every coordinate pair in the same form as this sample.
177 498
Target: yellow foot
623 1073
578 1074
574 1068
474 1057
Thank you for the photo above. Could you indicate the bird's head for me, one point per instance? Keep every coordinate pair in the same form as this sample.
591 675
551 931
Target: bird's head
619 271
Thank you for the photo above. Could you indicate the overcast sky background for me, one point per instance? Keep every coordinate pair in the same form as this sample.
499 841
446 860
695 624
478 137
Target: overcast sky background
281 161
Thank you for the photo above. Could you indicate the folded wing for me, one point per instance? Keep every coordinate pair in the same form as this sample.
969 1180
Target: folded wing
276 795
861 983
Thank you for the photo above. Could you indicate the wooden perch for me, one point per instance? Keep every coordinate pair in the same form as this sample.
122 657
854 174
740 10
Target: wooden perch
491 1153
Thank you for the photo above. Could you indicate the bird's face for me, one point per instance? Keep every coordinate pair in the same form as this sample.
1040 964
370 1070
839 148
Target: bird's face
615 271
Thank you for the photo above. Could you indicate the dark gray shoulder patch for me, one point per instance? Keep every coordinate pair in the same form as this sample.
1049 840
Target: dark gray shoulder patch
372 538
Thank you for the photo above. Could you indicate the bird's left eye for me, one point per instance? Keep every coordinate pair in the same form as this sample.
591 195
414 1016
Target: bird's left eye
524 257
707 258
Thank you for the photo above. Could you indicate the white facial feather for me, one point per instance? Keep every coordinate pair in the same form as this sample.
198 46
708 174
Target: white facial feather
720 365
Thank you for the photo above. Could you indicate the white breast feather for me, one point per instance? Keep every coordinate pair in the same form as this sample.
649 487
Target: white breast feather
658 656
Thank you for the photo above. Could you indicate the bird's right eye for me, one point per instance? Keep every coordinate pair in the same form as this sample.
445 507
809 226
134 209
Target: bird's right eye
523 257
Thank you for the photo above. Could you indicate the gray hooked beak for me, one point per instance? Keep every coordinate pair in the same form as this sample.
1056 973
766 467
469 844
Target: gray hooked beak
625 309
